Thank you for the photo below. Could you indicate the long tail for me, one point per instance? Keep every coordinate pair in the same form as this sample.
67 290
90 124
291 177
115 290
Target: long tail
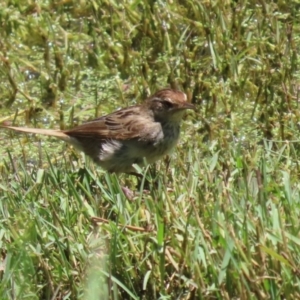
56 133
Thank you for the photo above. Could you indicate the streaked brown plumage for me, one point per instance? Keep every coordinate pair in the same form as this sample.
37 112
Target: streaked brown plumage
127 136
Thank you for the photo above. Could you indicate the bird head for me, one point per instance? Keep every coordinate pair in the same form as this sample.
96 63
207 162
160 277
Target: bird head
168 105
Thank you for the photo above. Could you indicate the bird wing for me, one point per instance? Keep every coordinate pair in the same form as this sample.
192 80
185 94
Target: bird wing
127 123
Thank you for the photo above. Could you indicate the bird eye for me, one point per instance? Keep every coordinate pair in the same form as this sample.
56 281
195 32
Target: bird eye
167 103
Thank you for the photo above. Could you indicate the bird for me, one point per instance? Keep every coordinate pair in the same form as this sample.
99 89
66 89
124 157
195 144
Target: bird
128 136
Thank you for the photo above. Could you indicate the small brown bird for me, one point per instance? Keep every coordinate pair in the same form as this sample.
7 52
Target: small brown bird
130 135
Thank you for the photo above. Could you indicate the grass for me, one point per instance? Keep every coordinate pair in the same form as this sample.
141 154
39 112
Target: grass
221 218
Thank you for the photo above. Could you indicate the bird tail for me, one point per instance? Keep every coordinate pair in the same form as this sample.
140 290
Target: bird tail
56 133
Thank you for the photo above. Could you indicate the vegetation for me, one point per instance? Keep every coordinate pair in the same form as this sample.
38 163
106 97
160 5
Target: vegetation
221 217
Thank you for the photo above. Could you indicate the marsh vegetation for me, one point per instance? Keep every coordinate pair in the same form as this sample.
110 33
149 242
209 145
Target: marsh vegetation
221 218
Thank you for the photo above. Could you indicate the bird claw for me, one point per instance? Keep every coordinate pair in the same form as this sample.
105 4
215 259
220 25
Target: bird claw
129 194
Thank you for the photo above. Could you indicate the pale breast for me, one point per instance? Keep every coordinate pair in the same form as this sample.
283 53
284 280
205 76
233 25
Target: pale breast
165 143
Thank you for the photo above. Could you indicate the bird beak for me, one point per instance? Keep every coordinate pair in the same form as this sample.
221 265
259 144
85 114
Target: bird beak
188 106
